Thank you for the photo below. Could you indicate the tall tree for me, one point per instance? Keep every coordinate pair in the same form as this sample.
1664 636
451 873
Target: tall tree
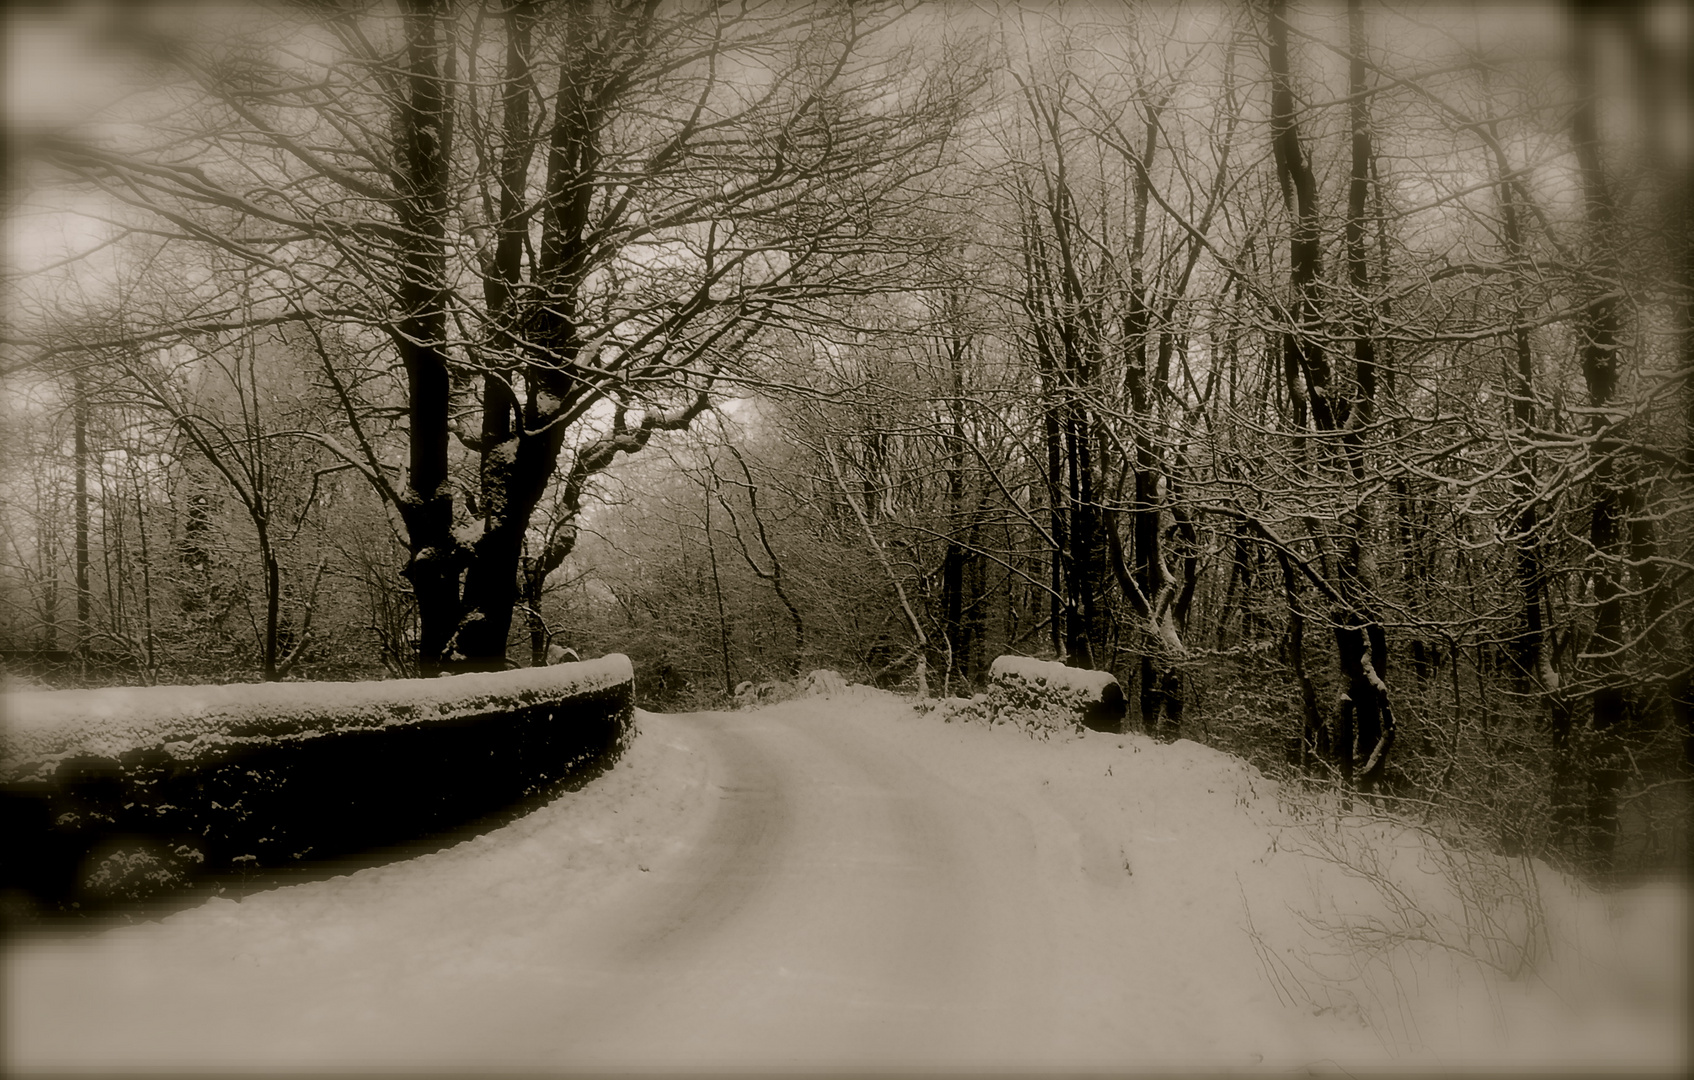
1364 729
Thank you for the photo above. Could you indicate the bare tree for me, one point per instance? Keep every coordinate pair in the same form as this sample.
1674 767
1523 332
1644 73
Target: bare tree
1364 729
559 218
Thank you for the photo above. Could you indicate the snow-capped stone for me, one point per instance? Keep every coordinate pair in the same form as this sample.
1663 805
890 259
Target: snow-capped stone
1044 696
38 728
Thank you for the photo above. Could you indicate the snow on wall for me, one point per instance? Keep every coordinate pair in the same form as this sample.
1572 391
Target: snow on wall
39 728
1044 696
1054 674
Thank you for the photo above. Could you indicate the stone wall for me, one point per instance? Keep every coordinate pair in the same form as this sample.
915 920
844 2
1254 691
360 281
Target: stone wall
110 797
1046 697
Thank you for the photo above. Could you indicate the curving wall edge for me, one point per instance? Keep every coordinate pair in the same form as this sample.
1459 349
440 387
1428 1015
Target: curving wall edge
110 797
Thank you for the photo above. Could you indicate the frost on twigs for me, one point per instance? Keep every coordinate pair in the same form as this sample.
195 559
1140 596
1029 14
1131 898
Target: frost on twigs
1044 697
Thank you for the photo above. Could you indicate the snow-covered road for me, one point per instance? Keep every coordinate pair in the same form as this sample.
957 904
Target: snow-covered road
821 883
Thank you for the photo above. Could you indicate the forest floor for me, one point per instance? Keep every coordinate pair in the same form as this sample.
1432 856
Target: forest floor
847 882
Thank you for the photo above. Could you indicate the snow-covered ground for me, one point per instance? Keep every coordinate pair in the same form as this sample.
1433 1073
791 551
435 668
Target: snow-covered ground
843 882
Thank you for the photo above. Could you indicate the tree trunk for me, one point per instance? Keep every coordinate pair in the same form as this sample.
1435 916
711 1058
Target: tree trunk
1599 346
533 582
273 604
1365 721
79 423
1362 641
425 128
955 557
1315 737
1081 607
717 592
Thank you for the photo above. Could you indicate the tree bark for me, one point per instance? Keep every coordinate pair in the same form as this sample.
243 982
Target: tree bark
1365 729
1599 346
79 443
420 335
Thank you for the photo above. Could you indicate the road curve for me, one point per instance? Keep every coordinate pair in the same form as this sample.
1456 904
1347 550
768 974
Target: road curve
828 912
817 897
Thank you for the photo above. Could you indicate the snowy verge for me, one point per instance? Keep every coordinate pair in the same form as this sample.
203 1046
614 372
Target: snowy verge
1044 696
114 796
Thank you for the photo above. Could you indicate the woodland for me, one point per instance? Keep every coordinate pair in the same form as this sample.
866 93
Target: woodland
1319 370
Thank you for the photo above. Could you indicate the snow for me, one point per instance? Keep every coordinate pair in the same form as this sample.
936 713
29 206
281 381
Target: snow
1090 684
504 452
1045 697
820 682
825 682
38 728
902 892
469 532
